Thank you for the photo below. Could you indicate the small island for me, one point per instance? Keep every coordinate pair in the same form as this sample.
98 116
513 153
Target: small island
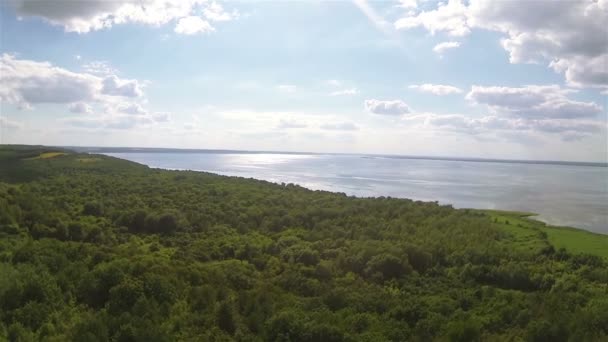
95 248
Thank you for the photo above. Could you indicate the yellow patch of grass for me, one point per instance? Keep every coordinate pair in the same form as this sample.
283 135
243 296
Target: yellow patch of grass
88 160
48 155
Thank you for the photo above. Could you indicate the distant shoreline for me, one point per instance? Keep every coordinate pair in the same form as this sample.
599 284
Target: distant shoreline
93 149
531 216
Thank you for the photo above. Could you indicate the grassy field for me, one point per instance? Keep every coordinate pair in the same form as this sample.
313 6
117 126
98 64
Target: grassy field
531 234
88 160
48 155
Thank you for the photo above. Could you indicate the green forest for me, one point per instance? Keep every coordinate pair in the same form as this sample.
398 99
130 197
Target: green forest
94 248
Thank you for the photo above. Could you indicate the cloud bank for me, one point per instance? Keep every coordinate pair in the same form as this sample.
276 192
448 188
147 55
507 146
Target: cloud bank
192 16
569 36
391 107
27 83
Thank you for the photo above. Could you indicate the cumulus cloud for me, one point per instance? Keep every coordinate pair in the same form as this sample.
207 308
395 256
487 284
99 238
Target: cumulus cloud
215 12
444 46
192 24
131 108
450 18
437 89
566 126
80 108
350 91
334 83
26 83
161 117
569 36
117 121
566 129
392 107
100 68
339 126
583 72
112 85
533 101
92 15
408 3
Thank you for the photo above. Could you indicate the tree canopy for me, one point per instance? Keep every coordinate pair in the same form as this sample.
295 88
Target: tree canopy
93 248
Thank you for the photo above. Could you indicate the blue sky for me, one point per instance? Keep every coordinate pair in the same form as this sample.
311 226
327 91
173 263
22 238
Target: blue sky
466 78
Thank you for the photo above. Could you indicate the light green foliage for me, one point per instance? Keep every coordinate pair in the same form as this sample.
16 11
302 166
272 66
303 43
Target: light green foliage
531 234
114 251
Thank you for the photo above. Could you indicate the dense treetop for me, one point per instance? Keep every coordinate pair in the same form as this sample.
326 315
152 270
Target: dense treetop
94 248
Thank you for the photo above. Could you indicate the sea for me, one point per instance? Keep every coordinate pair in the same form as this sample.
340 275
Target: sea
560 193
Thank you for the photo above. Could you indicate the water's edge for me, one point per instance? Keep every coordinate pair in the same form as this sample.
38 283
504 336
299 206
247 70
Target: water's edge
526 215
559 195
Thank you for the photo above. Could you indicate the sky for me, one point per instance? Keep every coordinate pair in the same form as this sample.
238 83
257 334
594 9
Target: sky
491 79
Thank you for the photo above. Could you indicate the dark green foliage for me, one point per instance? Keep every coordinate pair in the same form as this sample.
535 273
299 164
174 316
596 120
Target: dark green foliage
93 248
93 209
225 318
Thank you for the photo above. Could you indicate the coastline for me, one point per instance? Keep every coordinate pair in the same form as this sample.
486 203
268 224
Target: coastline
531 216
522 223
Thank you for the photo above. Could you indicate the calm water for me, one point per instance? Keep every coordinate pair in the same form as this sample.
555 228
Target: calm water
570 195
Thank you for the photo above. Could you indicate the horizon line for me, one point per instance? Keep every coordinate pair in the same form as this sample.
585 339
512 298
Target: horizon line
126 149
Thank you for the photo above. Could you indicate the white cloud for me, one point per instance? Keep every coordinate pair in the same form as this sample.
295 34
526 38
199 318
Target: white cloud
567 126
112 85
350 91
92 15
117 121
287 88
533 101
125 121
437 89
131 108
584 72
444 46
339 126
408 3
450 121
215 12
80 108
26 82
100 68
566 129
192 25
569 36
393 107
450 18
161 117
